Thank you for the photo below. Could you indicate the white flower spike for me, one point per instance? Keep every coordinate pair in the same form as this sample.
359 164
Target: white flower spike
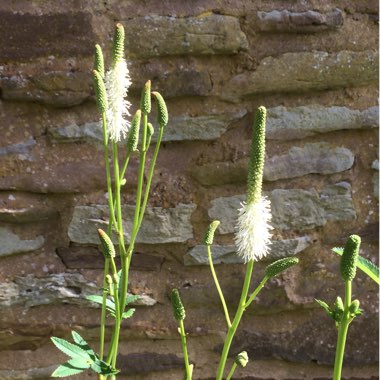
117 82
253 225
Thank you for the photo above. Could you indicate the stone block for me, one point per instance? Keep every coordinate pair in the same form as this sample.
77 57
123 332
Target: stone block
298 122
12 244
305 71
69 35
292 208
172 225
54 88
68 288
226 254
154 36
375 179
318 158
299 22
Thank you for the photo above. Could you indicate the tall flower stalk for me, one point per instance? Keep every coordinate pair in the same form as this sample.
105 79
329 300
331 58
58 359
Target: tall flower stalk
111 89
252 240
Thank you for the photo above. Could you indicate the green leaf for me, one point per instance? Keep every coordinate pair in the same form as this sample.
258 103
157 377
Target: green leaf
132 298
103 368
83 344
326 307
128 314
66 370
69 349
370 269
110 305
79 363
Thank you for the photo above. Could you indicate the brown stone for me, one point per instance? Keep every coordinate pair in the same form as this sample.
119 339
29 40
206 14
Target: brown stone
29 36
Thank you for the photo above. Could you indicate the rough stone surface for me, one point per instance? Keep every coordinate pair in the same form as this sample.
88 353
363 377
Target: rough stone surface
67 288
375 179
319 158
292 208
12 244
305 71
160 225
226 254
70 34
295 123
203 35
21 150
56 88
299 22
89 132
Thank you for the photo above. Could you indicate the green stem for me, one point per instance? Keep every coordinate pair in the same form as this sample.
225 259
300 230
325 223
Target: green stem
221 296
342 333
256 291
184 349
103 314
239 313
229 377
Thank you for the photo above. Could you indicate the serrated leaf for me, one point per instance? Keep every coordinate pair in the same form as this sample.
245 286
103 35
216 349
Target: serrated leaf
128 314
103 368
83 344
326 307
110 305
132 298
369 268
69 349
79 363
66 370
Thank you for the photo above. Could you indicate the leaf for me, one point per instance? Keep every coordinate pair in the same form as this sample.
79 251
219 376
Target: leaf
369 268
79 363
132 298
103 368
83 344
66 370
110 305
69 349
326 307
128 314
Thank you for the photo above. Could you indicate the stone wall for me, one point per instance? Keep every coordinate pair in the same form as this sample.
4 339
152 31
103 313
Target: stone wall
313 64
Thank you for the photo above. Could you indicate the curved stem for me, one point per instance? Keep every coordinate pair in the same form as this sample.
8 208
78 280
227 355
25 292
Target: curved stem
184 349
342 333
229 377
221 296
239 313
256 291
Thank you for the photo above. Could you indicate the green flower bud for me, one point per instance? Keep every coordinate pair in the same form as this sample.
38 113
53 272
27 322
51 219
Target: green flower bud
118 43
106 244
162 111
178 309
133 136
100 92
209 237
242 359
349 257
146 104
279 266
256 163
338 310
354 307
99 61
150 130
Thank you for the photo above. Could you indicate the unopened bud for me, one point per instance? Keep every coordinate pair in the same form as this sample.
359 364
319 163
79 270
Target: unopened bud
279 266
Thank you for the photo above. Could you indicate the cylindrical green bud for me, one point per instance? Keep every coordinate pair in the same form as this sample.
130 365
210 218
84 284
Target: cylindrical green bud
100 92
118 43
256 162
209 237
150 130
99 61
133 136
178 309
354 307
146 104
279 266
162 111
242 359
109 279
349 257
106 243
339 304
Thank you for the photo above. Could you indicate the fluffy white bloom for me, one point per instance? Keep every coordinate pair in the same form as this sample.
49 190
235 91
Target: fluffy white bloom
117 83
253 230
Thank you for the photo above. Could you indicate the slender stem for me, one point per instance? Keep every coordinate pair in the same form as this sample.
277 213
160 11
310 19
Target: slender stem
229 377
184 349
256 291
221 296
342 333
103 314
232 330
125 165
